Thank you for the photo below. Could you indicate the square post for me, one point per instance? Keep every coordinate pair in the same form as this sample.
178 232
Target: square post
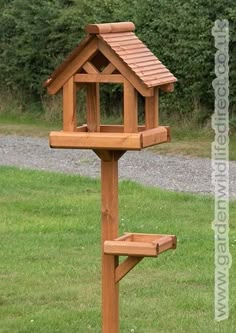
151 110
110 226
130 108
93 107
69 106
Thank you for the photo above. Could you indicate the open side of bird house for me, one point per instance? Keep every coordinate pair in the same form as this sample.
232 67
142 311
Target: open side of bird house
112 53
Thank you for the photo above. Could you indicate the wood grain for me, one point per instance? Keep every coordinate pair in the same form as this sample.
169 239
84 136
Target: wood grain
93 107
110 27
102 78
90 68
69 106
93 140
110 226
151 110
125 267
154 136
109 69
130 108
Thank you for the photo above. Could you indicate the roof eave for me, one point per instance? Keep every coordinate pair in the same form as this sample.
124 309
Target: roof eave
83 43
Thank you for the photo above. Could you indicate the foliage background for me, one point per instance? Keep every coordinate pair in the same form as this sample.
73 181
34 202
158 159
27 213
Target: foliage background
36 35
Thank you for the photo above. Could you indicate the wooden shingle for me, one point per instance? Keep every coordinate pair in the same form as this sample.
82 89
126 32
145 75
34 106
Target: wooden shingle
147 67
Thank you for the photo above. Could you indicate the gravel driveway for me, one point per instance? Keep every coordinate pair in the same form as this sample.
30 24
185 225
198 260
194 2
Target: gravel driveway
177 173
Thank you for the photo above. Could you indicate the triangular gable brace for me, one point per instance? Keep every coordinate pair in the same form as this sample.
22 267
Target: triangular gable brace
71 65
74 65
95 42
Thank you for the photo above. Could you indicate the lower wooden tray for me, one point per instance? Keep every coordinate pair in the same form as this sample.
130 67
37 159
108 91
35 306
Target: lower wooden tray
140 245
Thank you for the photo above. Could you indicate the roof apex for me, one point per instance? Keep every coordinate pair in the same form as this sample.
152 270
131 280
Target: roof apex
104 28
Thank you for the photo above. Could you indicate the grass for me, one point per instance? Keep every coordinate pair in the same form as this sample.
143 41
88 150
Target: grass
50 258
26 124
193 142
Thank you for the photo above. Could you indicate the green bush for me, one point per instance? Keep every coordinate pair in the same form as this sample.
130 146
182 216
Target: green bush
35 36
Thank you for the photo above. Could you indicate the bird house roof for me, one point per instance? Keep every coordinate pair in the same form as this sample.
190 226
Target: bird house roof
123 49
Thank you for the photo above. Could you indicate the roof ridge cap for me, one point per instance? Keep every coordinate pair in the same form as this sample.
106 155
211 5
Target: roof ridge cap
110 27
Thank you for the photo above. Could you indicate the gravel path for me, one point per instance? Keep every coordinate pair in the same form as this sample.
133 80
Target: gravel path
175 173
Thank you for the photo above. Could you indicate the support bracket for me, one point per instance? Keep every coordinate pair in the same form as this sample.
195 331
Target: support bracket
108 155
125 267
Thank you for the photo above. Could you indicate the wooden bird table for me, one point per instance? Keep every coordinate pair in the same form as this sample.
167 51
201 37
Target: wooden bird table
112 53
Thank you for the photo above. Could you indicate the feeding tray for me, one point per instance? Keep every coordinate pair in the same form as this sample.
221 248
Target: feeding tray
109 137
140 245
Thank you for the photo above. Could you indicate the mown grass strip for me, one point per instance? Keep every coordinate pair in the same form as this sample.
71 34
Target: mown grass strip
50 257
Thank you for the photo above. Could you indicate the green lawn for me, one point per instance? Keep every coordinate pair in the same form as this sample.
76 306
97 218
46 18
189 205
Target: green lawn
25 124
50 258
193 142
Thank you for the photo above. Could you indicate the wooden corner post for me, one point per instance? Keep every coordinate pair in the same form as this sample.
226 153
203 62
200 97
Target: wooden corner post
152 110
93 107
130 108
69 106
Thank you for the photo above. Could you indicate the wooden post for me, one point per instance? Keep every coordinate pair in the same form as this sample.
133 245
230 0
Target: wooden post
110 226
130 108
151 110
93 107
69 106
